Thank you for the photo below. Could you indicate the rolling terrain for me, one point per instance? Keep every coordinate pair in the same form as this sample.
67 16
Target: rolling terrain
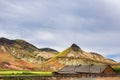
74 55
21 55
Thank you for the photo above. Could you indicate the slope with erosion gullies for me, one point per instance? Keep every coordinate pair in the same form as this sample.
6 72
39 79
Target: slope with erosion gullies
9 62
17 51
74 55
47 53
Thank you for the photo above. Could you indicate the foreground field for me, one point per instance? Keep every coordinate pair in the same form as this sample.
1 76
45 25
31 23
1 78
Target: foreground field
25 73
54 78
103 78
109 78
35 75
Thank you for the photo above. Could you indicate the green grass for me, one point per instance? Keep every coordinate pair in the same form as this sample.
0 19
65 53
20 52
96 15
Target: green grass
116 69
25 73
65 52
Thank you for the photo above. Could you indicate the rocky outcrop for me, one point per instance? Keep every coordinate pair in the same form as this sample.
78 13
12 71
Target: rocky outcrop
74 55
19 54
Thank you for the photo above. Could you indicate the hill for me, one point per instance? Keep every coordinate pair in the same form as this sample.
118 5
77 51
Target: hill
18 52
74 55
20 55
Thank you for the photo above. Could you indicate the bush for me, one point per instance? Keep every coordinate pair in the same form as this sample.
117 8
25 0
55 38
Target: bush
116 69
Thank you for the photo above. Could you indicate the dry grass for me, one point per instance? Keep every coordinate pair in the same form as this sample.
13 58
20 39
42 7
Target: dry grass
109 78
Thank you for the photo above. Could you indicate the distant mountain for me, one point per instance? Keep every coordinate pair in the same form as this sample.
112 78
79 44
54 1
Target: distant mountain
49 50
74 55
21 55
12 51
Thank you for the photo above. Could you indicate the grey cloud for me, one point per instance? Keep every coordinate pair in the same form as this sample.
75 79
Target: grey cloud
93 25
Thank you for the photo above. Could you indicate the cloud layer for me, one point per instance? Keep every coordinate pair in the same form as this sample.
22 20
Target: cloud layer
93 25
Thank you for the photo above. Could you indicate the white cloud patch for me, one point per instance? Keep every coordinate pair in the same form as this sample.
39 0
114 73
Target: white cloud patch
42 35
93 25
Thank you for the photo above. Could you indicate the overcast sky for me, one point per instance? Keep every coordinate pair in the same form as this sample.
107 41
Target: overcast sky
92 24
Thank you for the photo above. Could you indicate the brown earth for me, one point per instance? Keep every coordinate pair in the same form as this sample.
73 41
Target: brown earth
109 78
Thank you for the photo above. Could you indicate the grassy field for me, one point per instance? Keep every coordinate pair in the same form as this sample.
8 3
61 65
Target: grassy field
116 69
25 73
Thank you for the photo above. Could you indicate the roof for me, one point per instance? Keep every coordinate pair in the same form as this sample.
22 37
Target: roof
67 70
83 69
91 68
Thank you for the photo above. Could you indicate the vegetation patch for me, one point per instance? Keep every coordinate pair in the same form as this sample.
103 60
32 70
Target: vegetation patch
116 69
25 73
